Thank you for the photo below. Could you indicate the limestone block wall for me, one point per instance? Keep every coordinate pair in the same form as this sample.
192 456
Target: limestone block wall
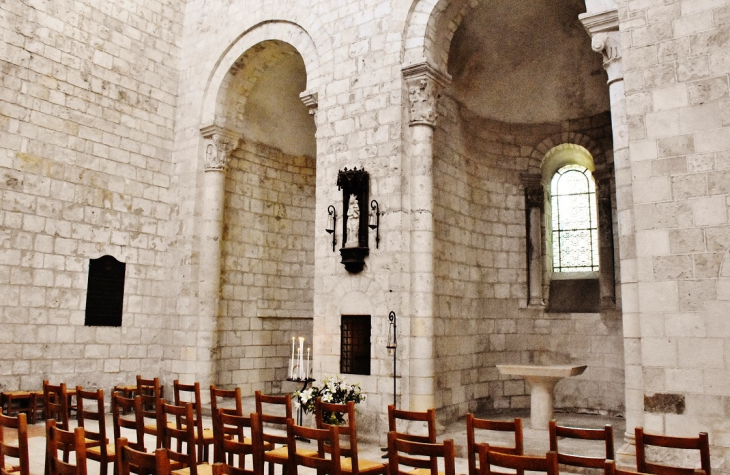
268 266
481 275
676 77
87 106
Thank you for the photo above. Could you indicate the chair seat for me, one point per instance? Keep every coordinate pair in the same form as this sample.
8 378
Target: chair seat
422 471
110 448
151 428
282 453
363 465
203 469
11 468
208 436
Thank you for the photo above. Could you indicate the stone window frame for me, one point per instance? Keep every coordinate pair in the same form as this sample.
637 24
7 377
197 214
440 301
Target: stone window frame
538 215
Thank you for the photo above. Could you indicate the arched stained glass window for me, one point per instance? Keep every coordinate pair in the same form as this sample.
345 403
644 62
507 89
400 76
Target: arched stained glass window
574 220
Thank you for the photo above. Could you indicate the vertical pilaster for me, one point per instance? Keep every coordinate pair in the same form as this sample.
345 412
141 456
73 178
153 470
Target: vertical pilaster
534 202
219 144
423 83
603 29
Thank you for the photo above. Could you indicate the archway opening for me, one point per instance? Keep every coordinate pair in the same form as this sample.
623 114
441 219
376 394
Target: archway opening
268 238
522 74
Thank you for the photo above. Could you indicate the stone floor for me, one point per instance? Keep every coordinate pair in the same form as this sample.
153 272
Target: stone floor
536 441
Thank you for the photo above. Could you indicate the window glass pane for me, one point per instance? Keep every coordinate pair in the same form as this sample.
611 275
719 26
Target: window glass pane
575 233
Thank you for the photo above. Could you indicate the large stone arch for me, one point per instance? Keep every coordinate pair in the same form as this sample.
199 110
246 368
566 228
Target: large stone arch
284 31
430 26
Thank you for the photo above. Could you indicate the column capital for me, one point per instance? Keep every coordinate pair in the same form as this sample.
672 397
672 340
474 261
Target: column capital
534 192
605 39
311 100
424 83
219 145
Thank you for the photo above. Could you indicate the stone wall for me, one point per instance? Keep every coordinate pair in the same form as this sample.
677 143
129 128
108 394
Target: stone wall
676 79
481 274
268 266
87 108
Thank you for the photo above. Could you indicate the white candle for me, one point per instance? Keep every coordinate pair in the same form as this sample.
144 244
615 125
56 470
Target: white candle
301 356
291 363
306 373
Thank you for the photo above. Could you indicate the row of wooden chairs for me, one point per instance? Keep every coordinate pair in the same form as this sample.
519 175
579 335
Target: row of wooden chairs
228 430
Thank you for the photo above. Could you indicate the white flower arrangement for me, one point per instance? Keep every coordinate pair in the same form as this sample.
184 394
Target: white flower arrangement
334 389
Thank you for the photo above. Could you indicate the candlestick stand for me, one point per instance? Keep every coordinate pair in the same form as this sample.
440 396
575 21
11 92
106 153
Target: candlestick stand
300 411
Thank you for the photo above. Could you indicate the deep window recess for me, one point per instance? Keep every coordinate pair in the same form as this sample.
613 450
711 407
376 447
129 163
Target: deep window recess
355 344
105 293
574 220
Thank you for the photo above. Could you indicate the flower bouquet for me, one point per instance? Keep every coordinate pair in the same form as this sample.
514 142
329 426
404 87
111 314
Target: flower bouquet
333 390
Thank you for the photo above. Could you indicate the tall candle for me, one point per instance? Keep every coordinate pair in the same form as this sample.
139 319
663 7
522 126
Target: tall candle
301 357
291 362
306 373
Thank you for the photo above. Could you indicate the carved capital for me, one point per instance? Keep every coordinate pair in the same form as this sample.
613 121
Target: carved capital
605 39
534 191
219 145
311 100
424 84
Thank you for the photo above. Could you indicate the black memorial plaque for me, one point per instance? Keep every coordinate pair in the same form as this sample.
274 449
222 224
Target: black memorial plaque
105 293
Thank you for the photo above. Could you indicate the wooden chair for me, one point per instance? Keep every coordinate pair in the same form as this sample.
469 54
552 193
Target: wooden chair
203 436
351 463
183 459
57 438
122 405
605 434
226 449
19 451
429 417
275 455
16 402
318 459
100 449
472 447
133 461
547 464
609 468
55 404
150 392
700 443
236 410
420 457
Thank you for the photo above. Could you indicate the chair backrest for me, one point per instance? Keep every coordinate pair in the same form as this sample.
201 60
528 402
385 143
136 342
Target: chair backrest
323 410
183 432
19 451
225 447
423 455
237 410
319 461
487 458
134 461
428 417
609 468
149 391
272 402
605 435
94 411
233 394
472 446
700 443
55 404
56 438
122 405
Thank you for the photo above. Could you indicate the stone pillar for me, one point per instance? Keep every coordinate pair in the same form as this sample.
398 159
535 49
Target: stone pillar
605 239
606 40
534 202
219 144
423 83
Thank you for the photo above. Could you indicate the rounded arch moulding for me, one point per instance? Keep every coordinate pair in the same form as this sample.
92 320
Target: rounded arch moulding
273 30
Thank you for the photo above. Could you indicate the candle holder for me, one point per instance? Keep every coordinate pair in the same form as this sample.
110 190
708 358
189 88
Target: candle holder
374 221
332 225
392 345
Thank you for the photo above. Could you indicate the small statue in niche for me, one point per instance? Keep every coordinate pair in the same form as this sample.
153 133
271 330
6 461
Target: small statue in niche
353 223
